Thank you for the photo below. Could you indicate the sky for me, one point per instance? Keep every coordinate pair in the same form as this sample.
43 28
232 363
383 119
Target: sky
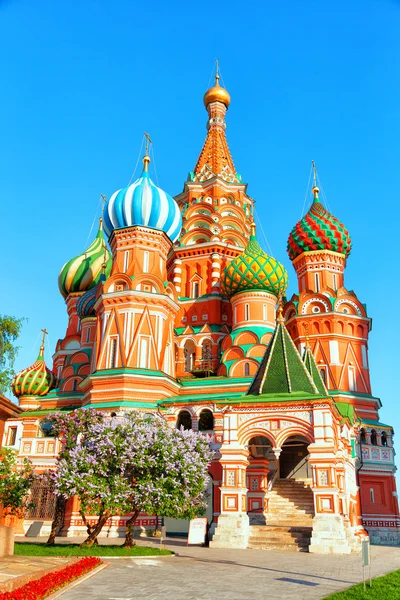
309 80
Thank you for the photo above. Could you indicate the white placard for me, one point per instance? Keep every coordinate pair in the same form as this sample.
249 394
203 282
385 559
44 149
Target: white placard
197 531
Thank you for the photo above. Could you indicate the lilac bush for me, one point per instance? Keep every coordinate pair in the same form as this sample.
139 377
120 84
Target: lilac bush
130 464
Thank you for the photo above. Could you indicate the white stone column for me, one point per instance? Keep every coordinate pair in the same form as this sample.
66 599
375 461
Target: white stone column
233 523
178 275
215 273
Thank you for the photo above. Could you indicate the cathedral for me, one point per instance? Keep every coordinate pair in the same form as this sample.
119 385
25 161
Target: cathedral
176 308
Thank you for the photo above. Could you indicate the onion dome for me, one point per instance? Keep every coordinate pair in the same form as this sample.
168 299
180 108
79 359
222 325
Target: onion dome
143 203
217 94
85 304
36 380
318 230
254 270
83 272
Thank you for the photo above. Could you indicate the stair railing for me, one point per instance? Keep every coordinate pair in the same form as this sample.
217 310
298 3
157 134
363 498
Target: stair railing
271 482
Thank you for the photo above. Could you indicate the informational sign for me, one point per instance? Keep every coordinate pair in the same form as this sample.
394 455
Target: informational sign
197 531
365 552
366 560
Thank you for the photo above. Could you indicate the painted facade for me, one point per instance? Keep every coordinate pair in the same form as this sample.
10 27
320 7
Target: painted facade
184 313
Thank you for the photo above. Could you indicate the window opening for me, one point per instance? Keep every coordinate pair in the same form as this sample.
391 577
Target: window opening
374 439
12 436
184 420
206 421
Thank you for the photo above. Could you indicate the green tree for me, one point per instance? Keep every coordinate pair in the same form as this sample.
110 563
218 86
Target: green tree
15 483
10 328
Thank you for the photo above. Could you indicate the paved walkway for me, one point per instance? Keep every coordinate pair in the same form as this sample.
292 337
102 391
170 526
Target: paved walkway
207 573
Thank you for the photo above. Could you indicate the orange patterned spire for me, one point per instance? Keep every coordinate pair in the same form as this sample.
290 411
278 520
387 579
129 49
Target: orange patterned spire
215 158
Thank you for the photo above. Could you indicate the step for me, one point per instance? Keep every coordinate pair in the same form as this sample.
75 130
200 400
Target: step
255 529
280 539
274 546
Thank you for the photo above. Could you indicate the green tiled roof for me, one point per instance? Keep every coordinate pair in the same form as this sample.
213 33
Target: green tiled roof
282 370
197 328
259 331
376 423
309 361
346 410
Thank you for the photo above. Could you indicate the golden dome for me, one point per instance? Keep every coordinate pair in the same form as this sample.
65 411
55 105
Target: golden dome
217 94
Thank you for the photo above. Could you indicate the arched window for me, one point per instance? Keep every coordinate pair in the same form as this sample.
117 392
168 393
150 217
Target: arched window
146 262
206 351
363 437
189 354
322 372
46 428
246 312
112 353
196 289
246 370
384 438
184 420
374 440
206 421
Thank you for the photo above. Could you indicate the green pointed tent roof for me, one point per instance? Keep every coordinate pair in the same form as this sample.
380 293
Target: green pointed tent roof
311 365
282 370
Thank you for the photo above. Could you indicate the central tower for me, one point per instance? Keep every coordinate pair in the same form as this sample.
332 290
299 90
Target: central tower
217 214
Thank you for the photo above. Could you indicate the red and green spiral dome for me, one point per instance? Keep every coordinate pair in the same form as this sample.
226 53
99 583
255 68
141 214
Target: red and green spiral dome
318 230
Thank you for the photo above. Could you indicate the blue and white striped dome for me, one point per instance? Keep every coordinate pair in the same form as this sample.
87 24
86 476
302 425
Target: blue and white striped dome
143 203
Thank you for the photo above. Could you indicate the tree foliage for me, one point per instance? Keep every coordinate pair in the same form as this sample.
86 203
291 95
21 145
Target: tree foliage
15 483
130 464
10 328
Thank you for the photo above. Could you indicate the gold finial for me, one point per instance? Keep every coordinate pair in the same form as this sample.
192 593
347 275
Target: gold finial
216 72
45 332
103 203
280 318
315 189
217 93
146 157
253 229
307 335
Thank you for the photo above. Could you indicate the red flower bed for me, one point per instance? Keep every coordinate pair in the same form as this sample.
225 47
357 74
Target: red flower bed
46 585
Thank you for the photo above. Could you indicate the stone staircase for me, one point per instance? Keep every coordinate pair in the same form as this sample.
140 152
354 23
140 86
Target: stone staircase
289 518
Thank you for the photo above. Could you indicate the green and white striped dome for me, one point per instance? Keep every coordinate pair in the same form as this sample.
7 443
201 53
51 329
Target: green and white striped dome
83 272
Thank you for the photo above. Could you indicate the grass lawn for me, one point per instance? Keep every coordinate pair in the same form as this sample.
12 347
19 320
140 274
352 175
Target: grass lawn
383 588
28 549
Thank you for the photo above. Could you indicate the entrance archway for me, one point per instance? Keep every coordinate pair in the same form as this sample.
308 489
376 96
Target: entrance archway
293 460
257 474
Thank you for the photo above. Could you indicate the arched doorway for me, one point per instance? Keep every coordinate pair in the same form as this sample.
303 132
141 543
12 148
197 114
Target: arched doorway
293 460
261 459
189 353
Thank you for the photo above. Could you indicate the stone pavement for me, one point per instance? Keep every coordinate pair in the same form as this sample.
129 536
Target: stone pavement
209 573
15 571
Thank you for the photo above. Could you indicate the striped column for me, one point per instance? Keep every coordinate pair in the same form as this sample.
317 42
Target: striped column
178 275
215 273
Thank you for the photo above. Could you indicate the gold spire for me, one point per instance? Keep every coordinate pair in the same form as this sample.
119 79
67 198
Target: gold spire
279 316
41 351
104 265
146 157
253 229
315 189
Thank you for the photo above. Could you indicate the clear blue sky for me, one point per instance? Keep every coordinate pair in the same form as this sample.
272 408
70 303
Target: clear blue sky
81 81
